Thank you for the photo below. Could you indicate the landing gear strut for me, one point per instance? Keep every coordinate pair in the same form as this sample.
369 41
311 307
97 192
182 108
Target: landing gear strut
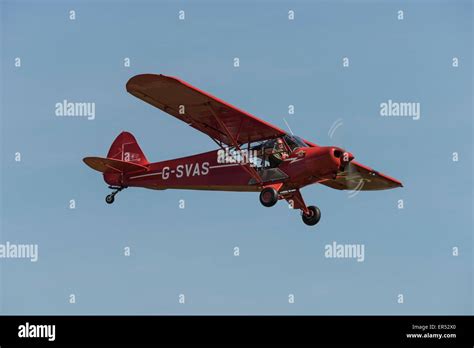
111 197
310 215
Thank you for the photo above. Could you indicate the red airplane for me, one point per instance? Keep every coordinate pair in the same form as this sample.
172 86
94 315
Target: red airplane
253 155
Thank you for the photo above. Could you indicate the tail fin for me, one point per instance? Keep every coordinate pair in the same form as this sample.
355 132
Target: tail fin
125 148
124 156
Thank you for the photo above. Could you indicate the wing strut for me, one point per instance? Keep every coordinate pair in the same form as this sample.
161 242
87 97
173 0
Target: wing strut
248 168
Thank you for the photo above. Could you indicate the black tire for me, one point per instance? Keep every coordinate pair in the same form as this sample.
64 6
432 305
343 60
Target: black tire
314 217
268 197
110 198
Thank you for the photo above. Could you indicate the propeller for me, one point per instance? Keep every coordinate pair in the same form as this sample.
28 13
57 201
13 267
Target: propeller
348 171
354 181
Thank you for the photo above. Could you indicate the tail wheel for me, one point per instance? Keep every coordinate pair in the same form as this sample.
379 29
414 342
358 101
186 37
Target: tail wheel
110 198
268 197
313 217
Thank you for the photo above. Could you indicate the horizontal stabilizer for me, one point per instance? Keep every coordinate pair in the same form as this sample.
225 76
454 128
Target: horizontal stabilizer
109 165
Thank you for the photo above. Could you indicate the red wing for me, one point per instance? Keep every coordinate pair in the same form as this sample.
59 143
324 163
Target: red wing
362 178
200 110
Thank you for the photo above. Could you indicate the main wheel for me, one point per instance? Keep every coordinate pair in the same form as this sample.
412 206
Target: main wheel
110 198
313 217
268 197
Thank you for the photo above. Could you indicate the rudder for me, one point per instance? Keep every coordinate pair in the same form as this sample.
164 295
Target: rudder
126 148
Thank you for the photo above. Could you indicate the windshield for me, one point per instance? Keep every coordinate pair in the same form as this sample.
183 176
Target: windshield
294 142
269 149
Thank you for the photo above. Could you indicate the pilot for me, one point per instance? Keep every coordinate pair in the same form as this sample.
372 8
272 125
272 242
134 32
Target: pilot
278 153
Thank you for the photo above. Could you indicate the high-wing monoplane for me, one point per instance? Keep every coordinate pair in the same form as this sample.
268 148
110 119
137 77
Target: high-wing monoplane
252 154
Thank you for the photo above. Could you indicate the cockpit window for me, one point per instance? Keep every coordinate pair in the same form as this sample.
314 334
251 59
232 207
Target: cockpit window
269 150
294 142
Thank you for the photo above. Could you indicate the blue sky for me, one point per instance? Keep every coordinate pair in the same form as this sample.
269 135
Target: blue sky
190 251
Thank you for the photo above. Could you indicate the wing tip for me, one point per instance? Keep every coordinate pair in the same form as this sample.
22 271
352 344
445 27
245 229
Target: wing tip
133 84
